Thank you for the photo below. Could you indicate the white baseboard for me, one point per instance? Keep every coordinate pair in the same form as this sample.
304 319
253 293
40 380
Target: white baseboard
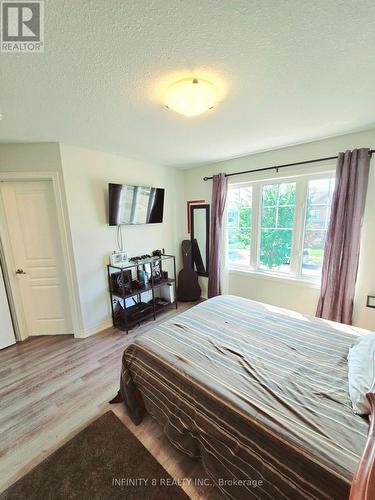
92 330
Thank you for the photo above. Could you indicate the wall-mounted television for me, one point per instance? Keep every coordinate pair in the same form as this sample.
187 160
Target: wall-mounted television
135 204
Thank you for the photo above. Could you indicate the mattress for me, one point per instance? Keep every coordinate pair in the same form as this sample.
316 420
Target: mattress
258 393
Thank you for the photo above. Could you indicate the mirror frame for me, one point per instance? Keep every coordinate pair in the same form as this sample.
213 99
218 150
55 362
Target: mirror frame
206 207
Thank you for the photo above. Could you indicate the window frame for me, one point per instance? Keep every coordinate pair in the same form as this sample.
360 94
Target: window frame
299 226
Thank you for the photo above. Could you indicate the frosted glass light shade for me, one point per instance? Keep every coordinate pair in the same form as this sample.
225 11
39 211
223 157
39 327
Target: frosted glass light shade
191 97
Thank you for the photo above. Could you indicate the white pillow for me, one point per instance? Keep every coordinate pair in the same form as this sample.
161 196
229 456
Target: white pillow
361 368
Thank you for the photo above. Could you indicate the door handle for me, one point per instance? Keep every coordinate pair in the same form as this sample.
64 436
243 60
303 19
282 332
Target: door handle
20 271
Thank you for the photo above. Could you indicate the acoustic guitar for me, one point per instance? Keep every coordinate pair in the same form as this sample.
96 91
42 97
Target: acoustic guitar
188 288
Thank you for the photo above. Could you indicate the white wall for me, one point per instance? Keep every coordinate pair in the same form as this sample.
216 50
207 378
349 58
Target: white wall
34 157
297 296
86 176
86 173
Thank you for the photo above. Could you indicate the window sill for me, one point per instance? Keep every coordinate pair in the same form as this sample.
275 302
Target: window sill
309 283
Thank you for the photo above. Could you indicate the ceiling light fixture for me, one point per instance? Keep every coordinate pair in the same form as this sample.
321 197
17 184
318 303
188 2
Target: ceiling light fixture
191 97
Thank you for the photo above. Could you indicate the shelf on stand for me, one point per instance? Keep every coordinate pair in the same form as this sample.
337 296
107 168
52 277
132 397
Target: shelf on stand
126 317
123 325
141 290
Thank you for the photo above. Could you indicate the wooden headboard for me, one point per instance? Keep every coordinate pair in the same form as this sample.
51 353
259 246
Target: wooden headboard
363 485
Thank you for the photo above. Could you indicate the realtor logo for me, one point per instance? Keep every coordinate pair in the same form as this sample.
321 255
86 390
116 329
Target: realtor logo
22 26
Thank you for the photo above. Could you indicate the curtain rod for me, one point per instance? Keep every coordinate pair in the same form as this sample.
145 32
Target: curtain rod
276 167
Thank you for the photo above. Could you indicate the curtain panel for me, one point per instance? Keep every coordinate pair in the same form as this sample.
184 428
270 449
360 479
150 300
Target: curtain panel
341 255
219 196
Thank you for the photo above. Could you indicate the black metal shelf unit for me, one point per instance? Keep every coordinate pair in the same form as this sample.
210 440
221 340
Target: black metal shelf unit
141 290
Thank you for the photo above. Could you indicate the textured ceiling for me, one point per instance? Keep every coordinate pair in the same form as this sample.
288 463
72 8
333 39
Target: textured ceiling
289 71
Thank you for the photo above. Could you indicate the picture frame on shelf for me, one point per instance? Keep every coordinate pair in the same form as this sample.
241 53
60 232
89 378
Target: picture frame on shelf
122 282
157 271
148 270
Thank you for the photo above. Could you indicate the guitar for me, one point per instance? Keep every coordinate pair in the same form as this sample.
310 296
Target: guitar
188 288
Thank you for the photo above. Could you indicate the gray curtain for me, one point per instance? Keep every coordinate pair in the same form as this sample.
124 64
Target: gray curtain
219 196
341 256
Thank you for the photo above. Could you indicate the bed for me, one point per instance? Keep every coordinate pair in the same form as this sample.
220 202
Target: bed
258 393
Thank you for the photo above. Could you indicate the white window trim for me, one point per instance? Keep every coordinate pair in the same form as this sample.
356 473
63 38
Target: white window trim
273 276
295 275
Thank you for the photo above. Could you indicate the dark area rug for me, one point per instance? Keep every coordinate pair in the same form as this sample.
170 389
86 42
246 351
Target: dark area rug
103 461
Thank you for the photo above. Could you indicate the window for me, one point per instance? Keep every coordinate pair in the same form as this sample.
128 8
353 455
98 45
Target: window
280 226
318 211
276 229
239 225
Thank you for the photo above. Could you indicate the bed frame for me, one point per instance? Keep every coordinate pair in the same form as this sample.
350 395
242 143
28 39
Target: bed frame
363 485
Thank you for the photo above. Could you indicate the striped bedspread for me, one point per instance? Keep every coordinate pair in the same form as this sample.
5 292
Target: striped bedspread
258 393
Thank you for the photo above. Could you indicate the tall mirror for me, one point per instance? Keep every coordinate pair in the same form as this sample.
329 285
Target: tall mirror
200 237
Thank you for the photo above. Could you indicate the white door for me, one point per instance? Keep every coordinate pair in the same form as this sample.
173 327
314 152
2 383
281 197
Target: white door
7 337
31 220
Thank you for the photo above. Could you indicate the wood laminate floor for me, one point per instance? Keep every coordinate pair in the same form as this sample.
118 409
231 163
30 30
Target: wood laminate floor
52 387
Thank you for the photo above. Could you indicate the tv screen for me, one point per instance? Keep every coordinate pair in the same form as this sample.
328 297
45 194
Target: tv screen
135 204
